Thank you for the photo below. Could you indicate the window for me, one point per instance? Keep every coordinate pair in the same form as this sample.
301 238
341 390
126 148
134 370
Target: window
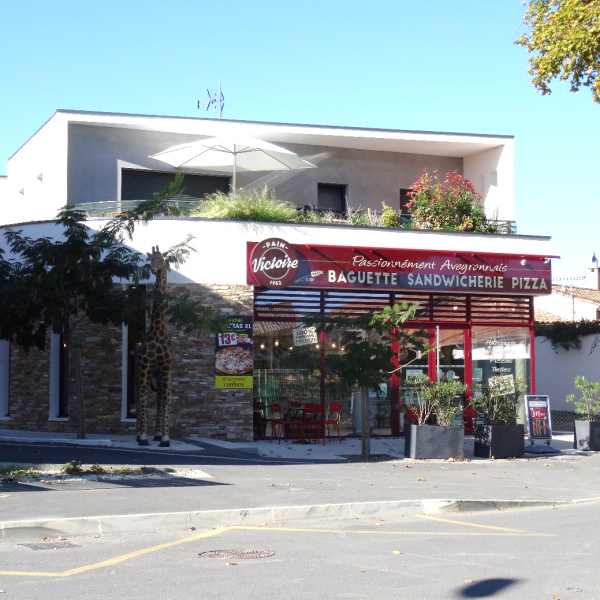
138 185
404 200
133 336
59 378
4 379
332 197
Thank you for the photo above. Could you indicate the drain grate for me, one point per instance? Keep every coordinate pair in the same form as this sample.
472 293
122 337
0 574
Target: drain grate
49 545
236 554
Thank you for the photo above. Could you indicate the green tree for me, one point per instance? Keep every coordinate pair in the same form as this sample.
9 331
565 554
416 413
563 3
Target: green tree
53 284
564 41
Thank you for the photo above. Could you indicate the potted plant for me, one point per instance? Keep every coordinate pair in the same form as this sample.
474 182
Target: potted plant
435 401
587 426
499 436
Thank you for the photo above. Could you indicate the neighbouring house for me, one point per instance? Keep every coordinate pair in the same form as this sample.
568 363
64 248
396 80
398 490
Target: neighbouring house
556 369
475 291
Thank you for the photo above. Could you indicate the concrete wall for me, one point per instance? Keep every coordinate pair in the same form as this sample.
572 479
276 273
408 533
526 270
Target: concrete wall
221 245
555 371
37 175
97 155
492 174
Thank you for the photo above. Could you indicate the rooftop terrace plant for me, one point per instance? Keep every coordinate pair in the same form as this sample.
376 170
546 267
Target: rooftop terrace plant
451 205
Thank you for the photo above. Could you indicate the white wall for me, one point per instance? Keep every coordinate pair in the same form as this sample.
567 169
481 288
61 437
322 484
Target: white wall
221 245
492 174
555 371
37 175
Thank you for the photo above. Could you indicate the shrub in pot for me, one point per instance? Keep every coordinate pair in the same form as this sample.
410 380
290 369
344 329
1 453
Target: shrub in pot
500 436
435 400
587 409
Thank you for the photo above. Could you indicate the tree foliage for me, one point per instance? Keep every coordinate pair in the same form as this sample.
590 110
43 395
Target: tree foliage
564 43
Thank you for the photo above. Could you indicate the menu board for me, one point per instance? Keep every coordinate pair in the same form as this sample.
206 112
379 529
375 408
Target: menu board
539 424
234 355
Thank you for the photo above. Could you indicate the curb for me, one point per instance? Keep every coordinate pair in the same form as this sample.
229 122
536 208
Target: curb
157 522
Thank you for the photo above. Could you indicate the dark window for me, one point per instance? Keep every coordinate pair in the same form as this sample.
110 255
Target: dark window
332 197
135 337
138 185
5 358
63 378
404 200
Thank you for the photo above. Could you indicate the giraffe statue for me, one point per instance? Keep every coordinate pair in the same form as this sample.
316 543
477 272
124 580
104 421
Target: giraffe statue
155 359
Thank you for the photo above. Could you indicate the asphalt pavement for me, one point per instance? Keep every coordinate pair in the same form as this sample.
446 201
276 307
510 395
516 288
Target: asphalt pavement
217 483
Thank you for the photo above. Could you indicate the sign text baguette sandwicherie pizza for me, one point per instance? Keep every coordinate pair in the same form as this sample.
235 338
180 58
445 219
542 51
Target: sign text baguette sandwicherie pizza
274 263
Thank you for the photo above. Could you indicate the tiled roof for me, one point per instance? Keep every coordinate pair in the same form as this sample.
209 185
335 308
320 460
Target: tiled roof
586 294
542 316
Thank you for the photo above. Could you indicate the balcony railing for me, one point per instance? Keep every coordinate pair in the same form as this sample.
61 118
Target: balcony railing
182 205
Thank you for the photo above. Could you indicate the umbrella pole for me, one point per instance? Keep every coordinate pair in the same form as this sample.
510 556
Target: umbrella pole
234 161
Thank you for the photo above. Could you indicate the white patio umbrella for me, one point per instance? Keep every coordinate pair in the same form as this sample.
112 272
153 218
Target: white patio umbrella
232 154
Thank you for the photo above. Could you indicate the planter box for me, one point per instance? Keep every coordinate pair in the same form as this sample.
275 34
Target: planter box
587 435
499 441
434 441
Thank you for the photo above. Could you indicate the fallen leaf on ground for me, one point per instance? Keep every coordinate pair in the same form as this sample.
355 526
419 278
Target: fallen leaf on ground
45 539
290 484
547 465
434 486
369 483
61 538
272 485
362 570
408 466
421 479
191 529
469 581
398 552
231 564
97 536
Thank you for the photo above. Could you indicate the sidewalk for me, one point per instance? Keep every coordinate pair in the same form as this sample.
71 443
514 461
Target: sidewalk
258 488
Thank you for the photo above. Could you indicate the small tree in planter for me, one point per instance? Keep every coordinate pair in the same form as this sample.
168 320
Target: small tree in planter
587 426
368 357
441 440
500 436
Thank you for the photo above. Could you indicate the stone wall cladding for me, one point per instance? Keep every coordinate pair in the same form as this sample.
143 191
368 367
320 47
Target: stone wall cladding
197 407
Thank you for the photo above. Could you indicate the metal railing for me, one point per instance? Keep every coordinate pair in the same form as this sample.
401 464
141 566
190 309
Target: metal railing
182 205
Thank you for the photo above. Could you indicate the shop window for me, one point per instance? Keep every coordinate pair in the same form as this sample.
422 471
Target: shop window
502 355
4 379
133 336
332 197
59 377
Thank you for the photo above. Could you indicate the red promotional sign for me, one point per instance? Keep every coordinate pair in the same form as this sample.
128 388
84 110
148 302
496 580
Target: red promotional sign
275 264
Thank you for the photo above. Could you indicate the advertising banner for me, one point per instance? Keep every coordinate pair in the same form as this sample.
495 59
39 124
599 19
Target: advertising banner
276 264
539 424
305 336
234 356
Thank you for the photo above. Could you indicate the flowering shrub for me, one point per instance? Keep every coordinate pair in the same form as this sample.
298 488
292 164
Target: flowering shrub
453 205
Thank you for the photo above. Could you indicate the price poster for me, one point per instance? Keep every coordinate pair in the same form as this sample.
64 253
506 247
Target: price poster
234 355
539 425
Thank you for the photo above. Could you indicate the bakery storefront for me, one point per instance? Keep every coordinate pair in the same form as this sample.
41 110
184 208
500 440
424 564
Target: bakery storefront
476 307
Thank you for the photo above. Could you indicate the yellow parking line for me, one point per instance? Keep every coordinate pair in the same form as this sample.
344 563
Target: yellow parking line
118 559
507 533
503 532
430 518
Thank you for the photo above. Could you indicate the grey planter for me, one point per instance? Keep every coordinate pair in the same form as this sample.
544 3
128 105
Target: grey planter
434 441
499 441
587 435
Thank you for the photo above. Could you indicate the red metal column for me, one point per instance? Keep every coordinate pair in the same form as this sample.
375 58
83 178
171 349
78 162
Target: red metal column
532 358
395 387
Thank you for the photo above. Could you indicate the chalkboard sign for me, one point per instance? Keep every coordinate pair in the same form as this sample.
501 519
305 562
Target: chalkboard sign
539 423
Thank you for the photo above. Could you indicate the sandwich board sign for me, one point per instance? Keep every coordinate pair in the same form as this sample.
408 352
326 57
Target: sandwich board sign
539 424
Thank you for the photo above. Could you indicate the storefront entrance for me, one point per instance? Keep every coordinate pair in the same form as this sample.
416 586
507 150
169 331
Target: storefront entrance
478 340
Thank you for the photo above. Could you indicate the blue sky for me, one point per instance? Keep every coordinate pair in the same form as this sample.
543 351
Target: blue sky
424 65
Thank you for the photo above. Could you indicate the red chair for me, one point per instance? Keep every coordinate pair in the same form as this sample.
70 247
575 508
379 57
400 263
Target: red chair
313 425
333 418
469 416
280 424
